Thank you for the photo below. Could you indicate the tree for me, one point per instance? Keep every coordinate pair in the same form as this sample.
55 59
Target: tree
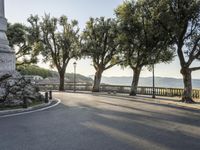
99 42
19 39
183 26
142 40
58 41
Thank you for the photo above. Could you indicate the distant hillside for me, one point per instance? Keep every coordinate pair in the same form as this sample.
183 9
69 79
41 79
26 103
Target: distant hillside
147 81
51 75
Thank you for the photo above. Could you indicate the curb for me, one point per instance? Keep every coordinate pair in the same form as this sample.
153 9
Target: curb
17 112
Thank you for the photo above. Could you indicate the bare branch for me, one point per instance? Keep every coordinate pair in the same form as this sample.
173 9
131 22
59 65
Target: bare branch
195 68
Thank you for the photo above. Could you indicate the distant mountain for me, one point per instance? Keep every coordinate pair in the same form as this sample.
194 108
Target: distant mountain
147 81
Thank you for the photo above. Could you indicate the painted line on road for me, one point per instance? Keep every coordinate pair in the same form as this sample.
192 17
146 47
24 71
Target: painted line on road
33 111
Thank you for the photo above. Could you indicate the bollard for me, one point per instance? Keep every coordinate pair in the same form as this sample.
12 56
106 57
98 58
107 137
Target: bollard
25 104
115 92
50 95
46 97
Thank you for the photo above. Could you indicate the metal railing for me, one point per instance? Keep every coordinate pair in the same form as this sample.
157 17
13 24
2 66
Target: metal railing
159 91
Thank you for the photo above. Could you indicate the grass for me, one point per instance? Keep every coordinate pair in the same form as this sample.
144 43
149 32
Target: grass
9 107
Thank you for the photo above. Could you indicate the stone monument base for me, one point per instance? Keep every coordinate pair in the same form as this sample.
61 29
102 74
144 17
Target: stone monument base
7 61
14 89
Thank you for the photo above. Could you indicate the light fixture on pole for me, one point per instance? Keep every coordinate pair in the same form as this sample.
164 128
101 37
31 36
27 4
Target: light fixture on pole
74 76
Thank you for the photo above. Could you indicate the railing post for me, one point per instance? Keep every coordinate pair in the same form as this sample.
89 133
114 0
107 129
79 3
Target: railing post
46 97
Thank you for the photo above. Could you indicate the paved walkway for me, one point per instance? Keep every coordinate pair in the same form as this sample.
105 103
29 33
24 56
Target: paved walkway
103 122
168 100
159 99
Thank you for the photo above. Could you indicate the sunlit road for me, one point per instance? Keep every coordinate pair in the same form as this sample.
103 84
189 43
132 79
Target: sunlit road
102 122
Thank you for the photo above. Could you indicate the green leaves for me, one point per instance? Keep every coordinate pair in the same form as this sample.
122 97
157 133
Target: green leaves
183 26
20 39
99 42
58 39
142 40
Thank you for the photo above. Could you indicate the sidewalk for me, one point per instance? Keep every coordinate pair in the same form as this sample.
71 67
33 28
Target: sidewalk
175 101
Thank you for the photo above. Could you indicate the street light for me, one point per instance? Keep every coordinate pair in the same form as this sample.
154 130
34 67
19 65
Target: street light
153 59
74 76
153 71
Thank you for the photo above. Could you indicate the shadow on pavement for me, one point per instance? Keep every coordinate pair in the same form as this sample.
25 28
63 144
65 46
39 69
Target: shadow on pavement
139 130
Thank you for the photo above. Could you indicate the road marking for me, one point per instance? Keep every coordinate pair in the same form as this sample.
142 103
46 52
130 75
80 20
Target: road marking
33 111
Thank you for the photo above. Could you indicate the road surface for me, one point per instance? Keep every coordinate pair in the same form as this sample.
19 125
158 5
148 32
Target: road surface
103 122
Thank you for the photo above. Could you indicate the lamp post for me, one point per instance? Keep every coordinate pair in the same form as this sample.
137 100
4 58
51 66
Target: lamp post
153 72
74 76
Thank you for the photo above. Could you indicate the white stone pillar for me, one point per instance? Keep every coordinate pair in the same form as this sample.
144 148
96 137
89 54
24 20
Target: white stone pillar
7 55
2 12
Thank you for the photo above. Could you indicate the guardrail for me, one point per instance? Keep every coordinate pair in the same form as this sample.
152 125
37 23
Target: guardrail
159 91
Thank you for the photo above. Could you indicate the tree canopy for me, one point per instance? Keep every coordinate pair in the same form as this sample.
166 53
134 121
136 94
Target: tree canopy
20 39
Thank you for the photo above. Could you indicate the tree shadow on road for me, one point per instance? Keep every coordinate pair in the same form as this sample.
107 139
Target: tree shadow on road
140 130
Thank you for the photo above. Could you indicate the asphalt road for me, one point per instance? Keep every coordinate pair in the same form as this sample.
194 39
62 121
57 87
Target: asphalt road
103 122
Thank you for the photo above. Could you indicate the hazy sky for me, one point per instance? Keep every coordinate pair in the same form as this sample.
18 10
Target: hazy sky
81 10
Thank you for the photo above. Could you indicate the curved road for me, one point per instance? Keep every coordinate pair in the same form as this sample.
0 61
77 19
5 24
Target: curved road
102 122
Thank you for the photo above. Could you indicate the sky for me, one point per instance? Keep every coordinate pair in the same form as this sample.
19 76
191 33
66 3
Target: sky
82 10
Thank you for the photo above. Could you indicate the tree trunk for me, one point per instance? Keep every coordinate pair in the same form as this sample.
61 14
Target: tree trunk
187 80
97 81
134 85
62 81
